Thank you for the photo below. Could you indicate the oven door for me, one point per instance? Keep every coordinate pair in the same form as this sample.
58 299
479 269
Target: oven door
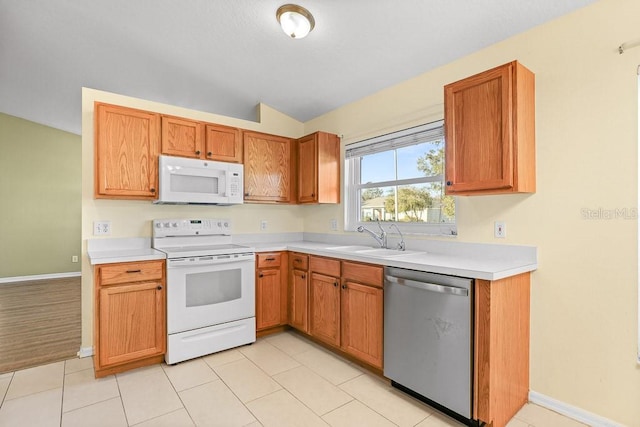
209 290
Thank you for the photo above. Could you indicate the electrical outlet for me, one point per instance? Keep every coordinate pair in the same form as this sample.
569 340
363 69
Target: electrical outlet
101 228
334 224
263 225
74 258
500 229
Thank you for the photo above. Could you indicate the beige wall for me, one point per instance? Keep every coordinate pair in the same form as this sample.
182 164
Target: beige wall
40 199
584 320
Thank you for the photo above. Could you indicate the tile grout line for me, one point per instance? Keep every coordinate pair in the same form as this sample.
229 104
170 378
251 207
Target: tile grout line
178 393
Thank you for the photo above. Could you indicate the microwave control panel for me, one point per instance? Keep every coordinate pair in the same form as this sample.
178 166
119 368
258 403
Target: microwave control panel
235 184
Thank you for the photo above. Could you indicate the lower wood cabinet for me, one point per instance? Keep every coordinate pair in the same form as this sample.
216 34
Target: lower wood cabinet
299 292
346 307
130 312
271 290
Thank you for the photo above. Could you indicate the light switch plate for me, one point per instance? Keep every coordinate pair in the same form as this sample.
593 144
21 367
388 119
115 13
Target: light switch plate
500 229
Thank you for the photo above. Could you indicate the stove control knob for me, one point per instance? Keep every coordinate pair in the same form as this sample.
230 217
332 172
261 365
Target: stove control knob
174 224
219 224
166 224
226 225
158 225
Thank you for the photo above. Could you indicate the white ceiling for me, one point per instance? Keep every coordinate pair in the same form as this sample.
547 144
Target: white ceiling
225 56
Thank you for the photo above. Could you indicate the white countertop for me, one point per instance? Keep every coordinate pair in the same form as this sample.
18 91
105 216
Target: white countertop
477 261
108 251
478 266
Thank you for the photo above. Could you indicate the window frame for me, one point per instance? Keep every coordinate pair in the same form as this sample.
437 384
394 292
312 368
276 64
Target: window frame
352 186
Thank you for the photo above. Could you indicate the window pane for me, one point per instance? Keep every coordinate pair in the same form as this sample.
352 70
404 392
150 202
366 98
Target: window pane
425 203
425 159
377 204
378 167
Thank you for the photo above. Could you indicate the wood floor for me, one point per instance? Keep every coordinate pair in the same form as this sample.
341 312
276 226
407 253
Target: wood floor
39 322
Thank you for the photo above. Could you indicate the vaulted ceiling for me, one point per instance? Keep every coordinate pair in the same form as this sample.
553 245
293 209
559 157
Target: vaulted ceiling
225 56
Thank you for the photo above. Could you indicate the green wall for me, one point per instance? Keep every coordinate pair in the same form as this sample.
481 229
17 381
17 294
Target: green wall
40 199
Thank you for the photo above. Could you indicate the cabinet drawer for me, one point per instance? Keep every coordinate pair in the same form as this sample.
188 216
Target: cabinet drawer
327 266
271 259
363 273
299 261
130 272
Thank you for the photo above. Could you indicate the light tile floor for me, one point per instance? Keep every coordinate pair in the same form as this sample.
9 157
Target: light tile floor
281 380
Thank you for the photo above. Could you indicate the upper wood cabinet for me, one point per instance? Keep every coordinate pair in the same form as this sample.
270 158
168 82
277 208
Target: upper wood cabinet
319 168
198 140
181 137
267 168
127 145
223 143
490 132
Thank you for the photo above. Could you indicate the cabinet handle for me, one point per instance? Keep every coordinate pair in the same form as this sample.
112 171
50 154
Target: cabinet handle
313 194
153 190
303 276
209 153
159 288
344 286
335 284
133 271
198 152
246 194
270 259
449 183
260 275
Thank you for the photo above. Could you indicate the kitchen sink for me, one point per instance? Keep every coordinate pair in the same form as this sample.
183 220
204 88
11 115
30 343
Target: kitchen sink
352 248
382 252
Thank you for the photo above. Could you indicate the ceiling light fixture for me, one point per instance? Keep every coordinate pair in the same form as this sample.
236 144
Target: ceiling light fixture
296 21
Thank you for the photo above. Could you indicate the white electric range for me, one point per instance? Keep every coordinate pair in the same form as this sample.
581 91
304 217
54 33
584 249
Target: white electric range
210 287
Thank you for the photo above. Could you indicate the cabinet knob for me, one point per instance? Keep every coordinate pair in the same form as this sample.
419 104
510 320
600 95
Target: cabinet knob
313 194
159 288
260 275
153 190
303 276
209 153
449 183
198 152
246 194
335 284
344 286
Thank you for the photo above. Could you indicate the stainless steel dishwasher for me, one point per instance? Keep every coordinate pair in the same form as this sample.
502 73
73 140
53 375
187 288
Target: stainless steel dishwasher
428 338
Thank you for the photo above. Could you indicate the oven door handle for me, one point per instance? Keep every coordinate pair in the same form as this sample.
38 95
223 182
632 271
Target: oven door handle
208 260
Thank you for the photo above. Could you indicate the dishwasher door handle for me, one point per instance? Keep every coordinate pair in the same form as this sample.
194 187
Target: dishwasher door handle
425 286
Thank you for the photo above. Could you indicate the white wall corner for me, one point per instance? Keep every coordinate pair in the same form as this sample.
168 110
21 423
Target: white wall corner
570 411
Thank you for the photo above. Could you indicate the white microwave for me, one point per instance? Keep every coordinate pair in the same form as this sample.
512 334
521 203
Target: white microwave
203 182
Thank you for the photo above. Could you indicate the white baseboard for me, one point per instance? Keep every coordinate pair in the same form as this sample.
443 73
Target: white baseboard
85 352
571 411
39 277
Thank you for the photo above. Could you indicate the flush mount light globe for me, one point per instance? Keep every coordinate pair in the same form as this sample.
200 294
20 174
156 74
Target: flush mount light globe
296 21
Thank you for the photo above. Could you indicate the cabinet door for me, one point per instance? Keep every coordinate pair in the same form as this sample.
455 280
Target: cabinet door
325 308
181 137
127 144
490 132
362 322
299 301
268 298
223 143
308 169
267 168
319 168
131 322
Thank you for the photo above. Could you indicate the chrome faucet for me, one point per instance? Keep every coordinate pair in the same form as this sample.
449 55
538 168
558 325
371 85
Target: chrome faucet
400 246
380 238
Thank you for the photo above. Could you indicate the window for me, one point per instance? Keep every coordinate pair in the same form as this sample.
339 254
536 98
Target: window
399 178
